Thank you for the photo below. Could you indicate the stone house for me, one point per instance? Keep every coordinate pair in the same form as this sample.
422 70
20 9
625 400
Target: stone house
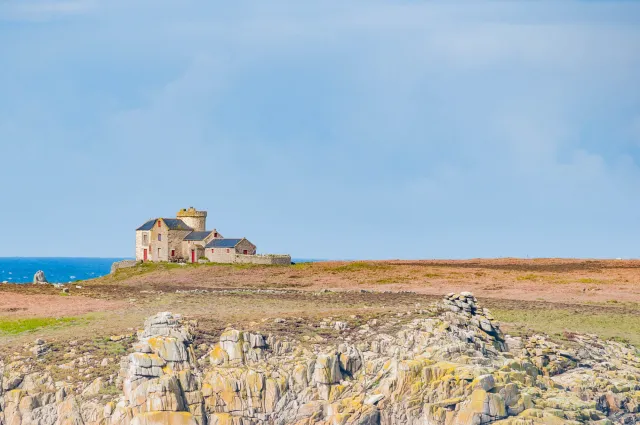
184 238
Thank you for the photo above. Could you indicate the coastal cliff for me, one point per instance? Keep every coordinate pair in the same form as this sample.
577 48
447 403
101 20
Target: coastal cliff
448 364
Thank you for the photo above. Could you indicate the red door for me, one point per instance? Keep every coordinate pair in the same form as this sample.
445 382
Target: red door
193 256
145 255
245 252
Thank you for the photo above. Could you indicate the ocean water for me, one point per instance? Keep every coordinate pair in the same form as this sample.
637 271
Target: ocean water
57 270
62 270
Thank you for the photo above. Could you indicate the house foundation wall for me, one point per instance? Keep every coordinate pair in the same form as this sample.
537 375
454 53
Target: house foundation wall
282 260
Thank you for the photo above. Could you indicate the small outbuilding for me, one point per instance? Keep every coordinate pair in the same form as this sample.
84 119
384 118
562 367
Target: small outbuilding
224 250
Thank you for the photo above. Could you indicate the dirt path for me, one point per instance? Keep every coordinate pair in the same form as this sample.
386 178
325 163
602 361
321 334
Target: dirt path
37 305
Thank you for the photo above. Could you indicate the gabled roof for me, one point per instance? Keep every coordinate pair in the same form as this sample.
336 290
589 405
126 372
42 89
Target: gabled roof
148 225
223 243
172 224
198 236
175 224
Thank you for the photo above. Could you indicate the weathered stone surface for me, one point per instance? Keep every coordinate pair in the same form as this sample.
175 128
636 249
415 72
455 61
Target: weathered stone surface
164 418
39 278
454 368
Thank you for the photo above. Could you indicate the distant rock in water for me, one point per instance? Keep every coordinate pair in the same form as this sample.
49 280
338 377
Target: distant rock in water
40 278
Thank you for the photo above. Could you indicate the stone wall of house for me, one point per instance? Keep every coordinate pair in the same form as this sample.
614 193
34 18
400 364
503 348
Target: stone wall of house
220 255
170 240
140 245
123 265
158 246
175 240
197 220
245 245
213 235
282 260
188 246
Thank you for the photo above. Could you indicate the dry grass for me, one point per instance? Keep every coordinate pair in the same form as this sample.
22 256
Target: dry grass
530 295
556 322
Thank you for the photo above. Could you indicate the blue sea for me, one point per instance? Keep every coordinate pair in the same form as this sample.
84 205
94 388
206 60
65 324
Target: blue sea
57 270
62 270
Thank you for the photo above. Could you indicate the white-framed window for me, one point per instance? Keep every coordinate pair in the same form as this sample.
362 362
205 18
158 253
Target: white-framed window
145 239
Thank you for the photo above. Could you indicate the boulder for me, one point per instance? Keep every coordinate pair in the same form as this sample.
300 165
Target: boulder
39 278
444 369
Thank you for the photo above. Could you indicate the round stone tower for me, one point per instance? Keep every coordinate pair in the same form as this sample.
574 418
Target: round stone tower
197 220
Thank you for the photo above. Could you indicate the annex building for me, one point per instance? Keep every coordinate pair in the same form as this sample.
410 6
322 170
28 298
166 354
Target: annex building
185 239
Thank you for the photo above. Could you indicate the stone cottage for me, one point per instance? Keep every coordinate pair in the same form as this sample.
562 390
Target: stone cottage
184 238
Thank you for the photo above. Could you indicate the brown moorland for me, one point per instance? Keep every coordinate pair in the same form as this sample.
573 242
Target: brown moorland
554 296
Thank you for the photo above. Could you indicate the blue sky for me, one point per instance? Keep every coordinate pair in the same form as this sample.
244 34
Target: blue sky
361 129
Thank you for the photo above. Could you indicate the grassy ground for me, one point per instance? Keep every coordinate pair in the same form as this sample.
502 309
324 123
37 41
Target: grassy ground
548 296
10 326
557 322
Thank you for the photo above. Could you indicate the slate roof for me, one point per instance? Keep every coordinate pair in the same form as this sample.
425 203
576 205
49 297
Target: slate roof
198 236
175 224
172 224
148 225
223 243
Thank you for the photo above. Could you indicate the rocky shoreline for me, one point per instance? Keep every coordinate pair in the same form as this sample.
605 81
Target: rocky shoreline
449 364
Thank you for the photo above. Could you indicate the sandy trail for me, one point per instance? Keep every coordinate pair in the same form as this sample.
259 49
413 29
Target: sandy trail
40 305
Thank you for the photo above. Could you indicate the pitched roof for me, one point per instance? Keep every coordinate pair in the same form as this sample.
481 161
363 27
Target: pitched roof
172 224
175 224
223 243
148 225
197 236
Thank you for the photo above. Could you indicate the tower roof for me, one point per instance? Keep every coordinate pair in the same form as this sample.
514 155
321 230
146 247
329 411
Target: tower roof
191 212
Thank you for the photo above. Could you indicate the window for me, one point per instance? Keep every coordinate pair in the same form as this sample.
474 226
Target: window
159 237
173 252
159 223
213 250
215 235
227 250
145 239
245 252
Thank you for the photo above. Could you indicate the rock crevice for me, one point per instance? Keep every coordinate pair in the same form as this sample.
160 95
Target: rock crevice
453 367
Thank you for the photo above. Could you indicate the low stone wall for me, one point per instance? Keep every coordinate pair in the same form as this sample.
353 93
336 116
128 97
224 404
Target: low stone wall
281 260
123 265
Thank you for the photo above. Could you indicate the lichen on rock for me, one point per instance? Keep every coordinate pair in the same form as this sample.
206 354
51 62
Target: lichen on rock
455 367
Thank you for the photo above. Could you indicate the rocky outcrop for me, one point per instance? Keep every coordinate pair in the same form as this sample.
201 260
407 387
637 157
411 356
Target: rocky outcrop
124 264
449 366
39 278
